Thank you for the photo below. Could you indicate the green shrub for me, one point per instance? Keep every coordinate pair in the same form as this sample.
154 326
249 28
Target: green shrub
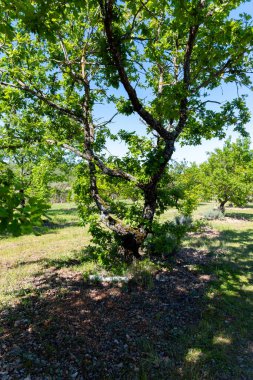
19 214
167 237
213 215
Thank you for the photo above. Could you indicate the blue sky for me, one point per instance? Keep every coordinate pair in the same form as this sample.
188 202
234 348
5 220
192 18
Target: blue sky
198 153
189 153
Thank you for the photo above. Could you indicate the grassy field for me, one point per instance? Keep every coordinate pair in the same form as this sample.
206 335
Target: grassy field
23 257
217 345
221 347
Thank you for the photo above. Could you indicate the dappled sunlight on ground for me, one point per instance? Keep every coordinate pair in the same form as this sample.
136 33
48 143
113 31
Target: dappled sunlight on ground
189 320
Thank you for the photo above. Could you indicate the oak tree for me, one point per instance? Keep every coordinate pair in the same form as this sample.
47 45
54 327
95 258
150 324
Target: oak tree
157 61
228 174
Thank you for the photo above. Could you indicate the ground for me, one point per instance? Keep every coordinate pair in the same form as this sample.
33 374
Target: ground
190 318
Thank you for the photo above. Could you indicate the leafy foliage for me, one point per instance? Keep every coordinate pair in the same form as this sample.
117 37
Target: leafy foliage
227 175
62 63
184 187
167 237
17 217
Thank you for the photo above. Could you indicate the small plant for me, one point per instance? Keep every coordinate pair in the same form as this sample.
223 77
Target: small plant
213 215
167 237
141 273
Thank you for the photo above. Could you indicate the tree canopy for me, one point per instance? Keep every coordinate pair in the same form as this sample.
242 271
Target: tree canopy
228 173
156 60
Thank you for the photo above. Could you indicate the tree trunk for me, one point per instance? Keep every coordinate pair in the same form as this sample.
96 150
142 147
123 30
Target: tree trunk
22 201
149 208
131 244
222 206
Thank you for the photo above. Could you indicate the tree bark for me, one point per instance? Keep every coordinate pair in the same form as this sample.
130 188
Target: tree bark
22 201
222 205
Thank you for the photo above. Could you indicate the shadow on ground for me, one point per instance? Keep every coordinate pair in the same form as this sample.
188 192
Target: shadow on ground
66 328
65 218
186 326
240 215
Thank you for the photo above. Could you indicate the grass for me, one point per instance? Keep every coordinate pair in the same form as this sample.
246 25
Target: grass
219 346
21 258
222 344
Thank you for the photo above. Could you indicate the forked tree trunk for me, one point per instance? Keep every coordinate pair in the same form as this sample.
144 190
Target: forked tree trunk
132 241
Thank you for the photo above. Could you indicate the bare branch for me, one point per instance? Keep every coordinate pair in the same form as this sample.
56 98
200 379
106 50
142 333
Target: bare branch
211 101
161 82
107 122
64 50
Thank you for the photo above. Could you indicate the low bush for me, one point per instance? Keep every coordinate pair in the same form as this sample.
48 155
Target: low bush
213 214
167 237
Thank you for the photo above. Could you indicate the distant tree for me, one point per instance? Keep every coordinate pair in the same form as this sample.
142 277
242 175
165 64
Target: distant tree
157 60
19 213
61 184
184 186
228 173
25 176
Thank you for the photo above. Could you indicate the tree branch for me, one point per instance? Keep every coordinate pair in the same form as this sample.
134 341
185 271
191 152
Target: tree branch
107 122
216 74
187 77
38 94
90 156
211 101
107 13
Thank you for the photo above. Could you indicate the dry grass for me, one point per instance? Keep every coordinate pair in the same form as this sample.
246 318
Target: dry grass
21 258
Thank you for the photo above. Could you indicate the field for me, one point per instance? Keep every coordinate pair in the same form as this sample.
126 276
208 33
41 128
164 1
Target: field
190 318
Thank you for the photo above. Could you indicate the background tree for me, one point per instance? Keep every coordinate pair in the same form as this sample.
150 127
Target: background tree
26 172
157 60
184 186
228 174
62 182
19 212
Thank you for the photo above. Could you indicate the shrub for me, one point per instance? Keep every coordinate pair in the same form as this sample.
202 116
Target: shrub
167 237
213 215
